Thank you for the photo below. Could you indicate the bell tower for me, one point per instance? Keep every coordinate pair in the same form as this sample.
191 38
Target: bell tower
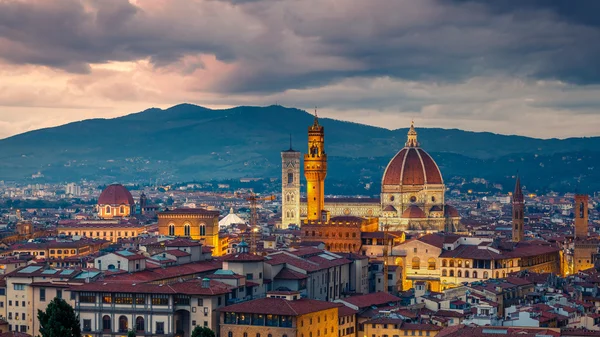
518 205
315 170
290 187
581 216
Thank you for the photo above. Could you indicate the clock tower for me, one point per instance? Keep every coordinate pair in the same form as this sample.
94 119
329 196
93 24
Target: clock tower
290 187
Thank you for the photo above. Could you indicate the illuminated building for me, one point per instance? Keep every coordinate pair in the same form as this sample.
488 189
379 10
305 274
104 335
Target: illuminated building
115 202
290 187
281 314
580 249
194 223
412 192
111 230
315 170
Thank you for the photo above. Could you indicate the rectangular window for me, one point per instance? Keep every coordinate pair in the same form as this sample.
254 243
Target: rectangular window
249 276
123 298
107 298
87 298
87 325
58 293
2 291
17 303
23 328
182 300
18 286
160 327
22 316
160 299
140 299
200 302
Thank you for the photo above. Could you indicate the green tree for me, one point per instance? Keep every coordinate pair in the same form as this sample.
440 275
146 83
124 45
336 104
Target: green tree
200 331
59 320
130 333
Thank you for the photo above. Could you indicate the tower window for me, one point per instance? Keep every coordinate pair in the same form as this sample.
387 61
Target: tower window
171 229
186 230
202 230
290 178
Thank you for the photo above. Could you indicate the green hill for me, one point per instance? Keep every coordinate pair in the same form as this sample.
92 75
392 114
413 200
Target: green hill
188 142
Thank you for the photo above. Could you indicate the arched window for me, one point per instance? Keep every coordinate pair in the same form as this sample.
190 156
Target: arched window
290 178
292 213
230 334
122 210
171 229
245 334
202 229
468 263
503 274
107 210
459 273
258 334
431 264
186 229
466 273
106 323
497 274
123 326
139 324
451 273
459 263
416 263
287 198
451 263
269 335
510 263
444 273
475 274
485 275
444 263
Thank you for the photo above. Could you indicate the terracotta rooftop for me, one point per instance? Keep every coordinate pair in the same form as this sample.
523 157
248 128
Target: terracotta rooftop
279 306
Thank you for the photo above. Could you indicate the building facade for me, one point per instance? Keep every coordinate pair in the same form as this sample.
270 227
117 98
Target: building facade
195 223
290 188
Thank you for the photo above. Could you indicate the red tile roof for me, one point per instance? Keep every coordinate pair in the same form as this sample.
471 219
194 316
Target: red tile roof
279 306
379 298
288 274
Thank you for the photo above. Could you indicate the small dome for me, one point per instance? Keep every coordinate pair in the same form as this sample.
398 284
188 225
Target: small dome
451 212
389 208
413 212
115 194
436 208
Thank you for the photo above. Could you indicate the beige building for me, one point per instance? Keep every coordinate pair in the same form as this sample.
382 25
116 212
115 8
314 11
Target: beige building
110 230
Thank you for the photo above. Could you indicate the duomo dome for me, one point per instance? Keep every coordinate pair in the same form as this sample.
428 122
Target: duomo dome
412 191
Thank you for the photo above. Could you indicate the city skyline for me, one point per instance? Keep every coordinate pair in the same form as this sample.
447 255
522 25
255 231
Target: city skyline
525 68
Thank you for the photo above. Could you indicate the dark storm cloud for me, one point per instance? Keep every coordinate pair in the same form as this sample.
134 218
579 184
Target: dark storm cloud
288 44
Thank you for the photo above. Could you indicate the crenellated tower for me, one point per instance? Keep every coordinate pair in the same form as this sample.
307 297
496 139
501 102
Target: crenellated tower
290 187
315 170
518 205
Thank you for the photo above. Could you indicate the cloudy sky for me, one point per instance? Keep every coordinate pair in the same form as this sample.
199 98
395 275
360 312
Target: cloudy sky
529 67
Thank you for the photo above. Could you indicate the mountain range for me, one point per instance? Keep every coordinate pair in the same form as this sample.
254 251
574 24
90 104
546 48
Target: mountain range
192 143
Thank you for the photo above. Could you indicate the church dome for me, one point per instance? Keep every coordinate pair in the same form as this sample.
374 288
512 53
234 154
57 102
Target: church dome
412 165
115 194
413 212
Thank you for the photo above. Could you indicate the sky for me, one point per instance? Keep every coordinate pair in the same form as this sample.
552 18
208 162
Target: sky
527 67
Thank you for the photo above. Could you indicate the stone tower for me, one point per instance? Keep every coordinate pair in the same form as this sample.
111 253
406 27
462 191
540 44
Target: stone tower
315 170
581 216
290 187
518 205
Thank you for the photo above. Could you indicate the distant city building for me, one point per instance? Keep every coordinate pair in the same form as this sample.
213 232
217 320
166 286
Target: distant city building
73 189
290 187
194 223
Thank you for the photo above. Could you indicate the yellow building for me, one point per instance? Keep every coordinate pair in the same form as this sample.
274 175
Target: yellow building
280 314
115 202
396 326
195 223
111 230
315 171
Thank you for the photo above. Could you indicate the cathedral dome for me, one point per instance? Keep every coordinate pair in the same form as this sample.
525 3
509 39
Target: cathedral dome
116 194
412 165
413 212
